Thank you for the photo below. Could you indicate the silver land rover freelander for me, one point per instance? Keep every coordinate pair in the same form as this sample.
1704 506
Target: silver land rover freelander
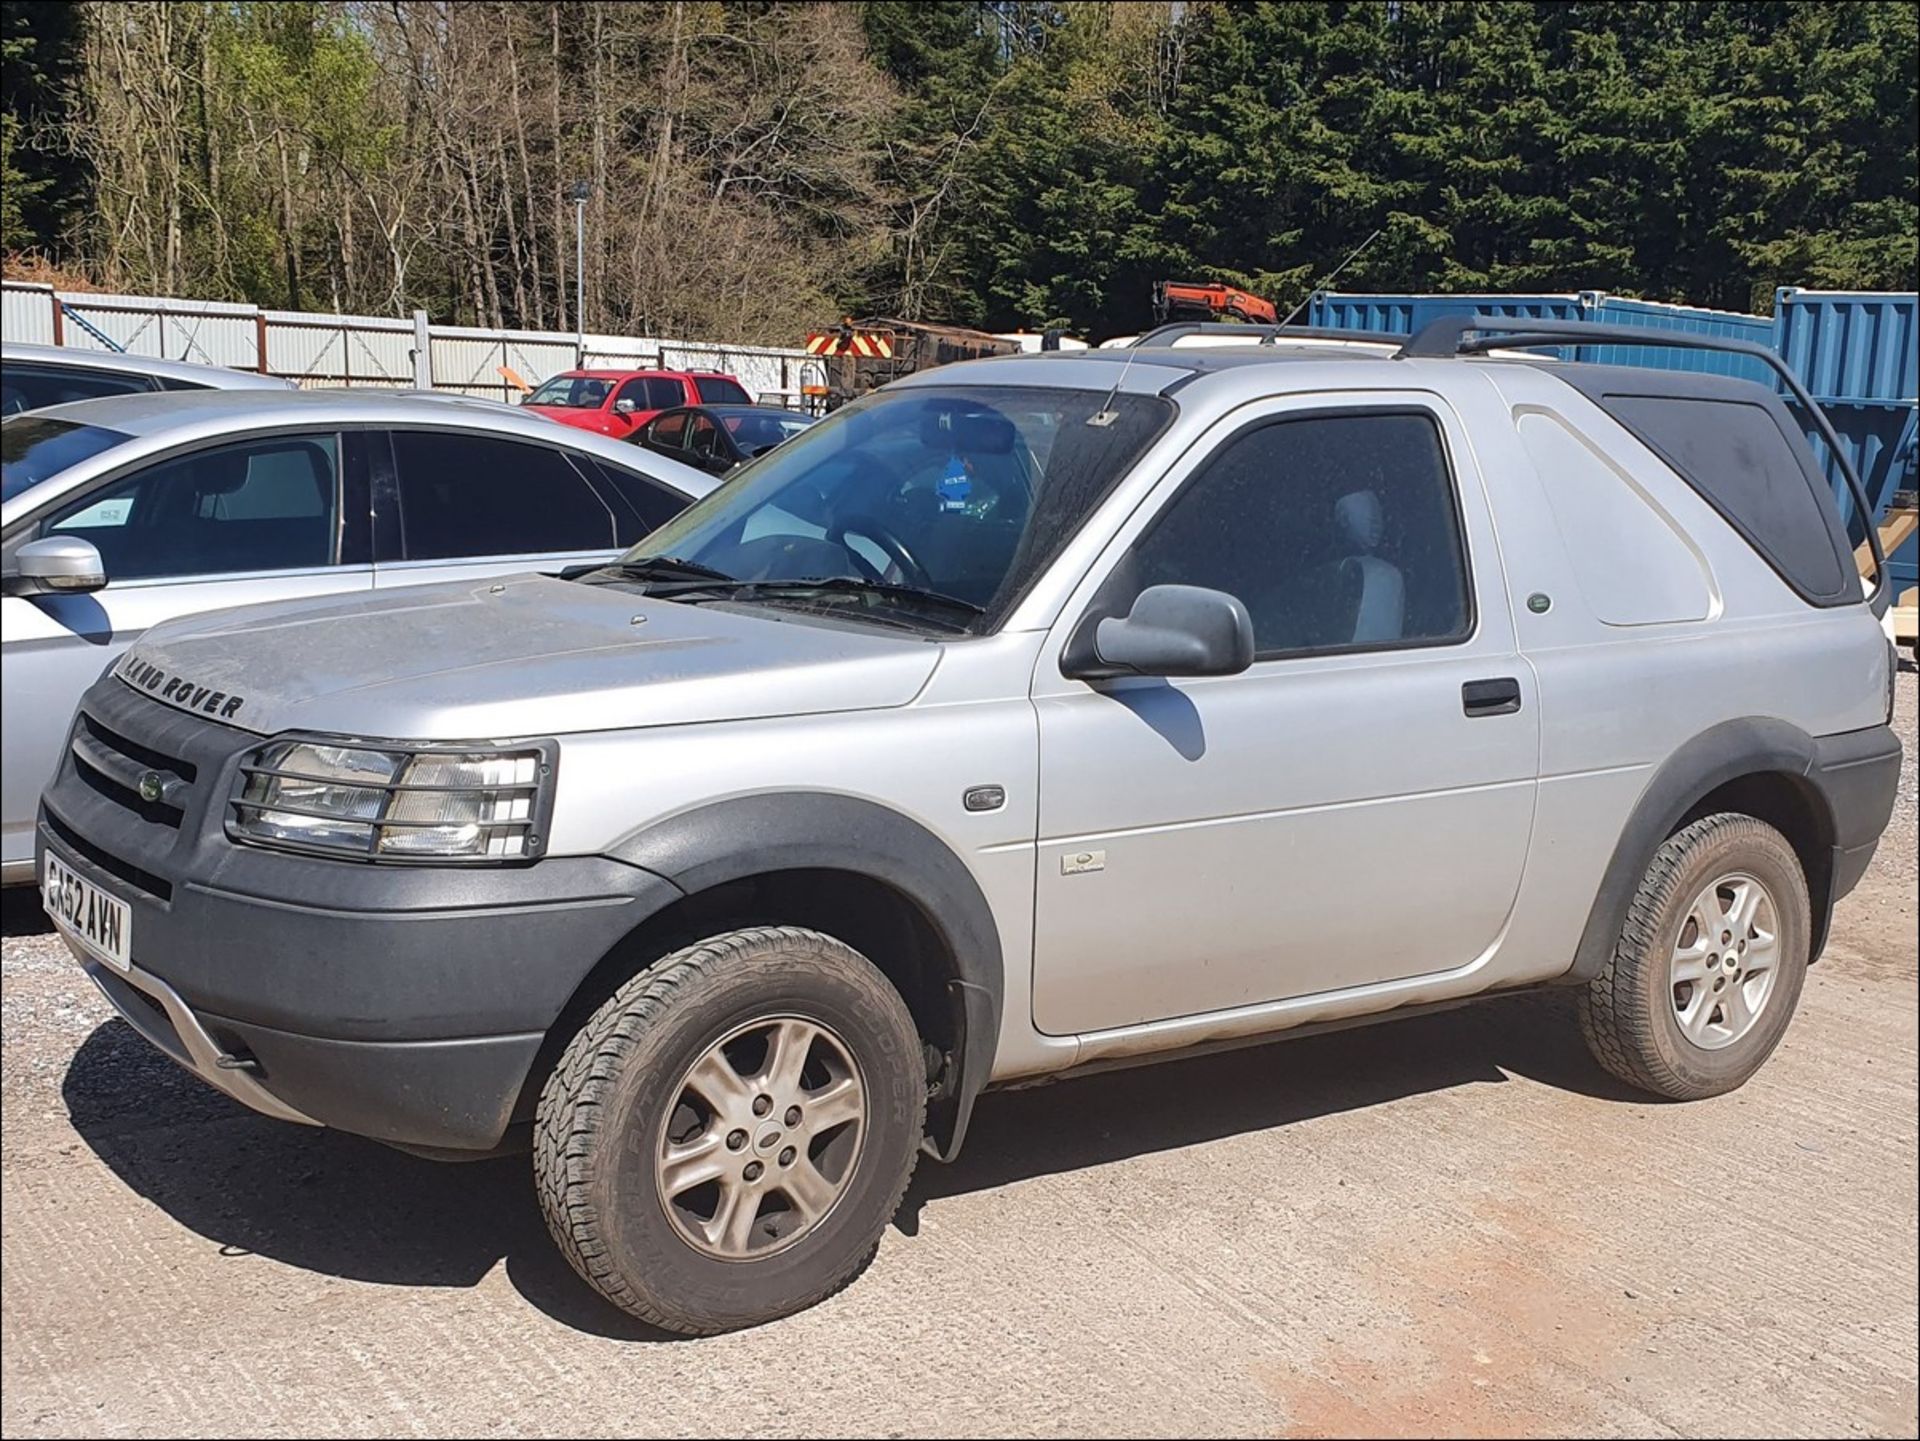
1028 715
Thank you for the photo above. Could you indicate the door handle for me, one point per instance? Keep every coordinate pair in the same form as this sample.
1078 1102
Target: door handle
1500 696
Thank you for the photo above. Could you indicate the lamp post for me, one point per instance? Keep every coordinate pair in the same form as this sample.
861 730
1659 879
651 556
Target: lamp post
578 193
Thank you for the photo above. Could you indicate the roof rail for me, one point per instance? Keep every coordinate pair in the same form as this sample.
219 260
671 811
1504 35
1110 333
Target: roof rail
1167 334
1449 335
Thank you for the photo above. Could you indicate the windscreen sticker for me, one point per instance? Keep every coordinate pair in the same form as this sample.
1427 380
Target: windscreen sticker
955 486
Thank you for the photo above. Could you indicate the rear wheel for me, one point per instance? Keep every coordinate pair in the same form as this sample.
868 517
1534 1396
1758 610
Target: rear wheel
726 1139
1709 966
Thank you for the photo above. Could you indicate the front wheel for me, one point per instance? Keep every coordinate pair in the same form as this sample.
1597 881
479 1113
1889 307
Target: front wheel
725 1140
1709 966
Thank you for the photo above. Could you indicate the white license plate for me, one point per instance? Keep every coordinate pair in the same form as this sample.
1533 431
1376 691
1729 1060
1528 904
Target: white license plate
98 921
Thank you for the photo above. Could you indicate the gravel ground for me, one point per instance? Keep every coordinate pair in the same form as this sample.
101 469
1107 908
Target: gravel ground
1448 1225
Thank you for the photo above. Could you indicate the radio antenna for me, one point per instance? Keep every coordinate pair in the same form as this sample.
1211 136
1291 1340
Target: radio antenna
1328 279
1106 414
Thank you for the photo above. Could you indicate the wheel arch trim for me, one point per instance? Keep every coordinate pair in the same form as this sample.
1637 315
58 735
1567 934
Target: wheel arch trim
1730 751
747 836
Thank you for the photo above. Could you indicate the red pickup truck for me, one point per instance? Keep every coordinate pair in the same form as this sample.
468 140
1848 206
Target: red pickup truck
614 402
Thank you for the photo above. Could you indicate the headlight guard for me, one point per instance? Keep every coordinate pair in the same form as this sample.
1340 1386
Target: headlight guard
396 802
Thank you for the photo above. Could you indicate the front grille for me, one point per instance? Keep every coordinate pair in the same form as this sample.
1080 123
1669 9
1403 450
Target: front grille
146 755
157 812
133 875
138 785
115 765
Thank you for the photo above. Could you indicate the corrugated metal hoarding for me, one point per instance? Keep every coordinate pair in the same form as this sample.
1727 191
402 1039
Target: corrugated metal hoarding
206 332
326 350
26 314
353 350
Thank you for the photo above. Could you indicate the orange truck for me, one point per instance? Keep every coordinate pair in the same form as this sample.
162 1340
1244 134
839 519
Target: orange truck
1208 300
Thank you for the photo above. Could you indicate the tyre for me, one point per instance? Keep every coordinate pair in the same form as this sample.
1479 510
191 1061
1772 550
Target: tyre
1709 966
725 1140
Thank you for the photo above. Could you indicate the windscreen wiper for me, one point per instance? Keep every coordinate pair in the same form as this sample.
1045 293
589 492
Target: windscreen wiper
649 567
912 595
907 596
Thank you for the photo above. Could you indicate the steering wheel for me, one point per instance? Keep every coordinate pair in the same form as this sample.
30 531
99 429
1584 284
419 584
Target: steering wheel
890 545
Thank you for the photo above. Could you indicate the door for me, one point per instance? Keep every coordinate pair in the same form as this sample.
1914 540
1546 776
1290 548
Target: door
631 407
224 526
458 505
1349 811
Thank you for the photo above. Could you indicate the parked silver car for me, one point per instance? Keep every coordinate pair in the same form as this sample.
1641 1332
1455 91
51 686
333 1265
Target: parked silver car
33 377
1026 716
122 512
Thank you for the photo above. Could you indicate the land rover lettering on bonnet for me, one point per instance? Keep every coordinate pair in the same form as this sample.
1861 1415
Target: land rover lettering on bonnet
179 690
1024 717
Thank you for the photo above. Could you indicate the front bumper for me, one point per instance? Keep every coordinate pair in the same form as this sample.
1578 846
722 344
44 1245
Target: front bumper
155 1010
408 1004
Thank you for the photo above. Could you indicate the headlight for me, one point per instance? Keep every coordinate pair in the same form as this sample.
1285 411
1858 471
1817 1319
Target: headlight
358 799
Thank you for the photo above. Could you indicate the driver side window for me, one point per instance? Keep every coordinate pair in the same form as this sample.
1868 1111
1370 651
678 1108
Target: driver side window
270 504
1337 532
669 430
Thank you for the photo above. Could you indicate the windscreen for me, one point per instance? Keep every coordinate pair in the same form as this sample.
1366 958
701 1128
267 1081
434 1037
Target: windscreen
578 392
965 491
757 430
35 448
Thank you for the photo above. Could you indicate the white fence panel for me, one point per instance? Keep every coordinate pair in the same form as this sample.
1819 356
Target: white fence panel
26 313
618 352
768 373
469 360
535 357
342 350
206 332
326 350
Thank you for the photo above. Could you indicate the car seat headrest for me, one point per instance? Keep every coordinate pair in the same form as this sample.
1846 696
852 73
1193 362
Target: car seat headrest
1361 519
221 473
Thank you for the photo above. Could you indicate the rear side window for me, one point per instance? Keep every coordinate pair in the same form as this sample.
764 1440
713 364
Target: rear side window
25 385
663 393
475 495
720 390
1337 532
1747 466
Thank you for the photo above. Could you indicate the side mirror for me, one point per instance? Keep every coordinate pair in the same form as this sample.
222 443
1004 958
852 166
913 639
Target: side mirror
625 405
1172 630
57 565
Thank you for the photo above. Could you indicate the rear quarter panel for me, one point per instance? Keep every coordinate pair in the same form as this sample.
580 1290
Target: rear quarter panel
1617 700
